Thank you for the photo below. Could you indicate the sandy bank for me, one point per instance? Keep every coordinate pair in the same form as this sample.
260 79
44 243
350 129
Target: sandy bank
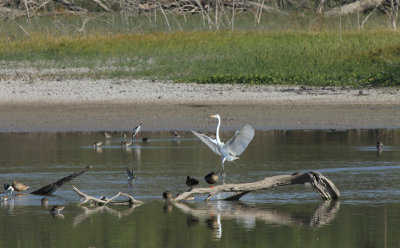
93 105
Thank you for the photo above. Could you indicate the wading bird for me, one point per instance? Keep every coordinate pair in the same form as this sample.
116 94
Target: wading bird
379 146
125 143
56 209
97 143
211 178
191 182
18 186
107 135
131 176
136 130
233 147
9 189
44 201
177 135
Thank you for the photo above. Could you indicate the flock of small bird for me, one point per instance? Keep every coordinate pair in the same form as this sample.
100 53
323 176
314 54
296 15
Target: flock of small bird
125 142
19 187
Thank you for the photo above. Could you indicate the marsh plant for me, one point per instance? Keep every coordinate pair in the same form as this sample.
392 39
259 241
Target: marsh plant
207 42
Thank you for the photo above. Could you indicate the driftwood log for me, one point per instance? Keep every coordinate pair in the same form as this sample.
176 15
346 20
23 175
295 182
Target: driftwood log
321 184
52 187
104 201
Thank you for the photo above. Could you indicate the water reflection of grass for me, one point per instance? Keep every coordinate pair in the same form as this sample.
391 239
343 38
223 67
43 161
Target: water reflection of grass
259 56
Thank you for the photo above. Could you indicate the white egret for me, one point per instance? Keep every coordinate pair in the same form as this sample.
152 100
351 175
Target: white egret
233 147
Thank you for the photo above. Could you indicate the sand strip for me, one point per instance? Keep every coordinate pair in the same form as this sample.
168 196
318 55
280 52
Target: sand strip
116 105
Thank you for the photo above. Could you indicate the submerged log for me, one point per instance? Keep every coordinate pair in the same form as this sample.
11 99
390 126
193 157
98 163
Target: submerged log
321 184
104 201
50 188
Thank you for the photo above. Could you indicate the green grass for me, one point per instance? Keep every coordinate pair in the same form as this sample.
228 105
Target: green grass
320 58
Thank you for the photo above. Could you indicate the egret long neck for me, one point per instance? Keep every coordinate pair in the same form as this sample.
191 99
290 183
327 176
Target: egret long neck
217 132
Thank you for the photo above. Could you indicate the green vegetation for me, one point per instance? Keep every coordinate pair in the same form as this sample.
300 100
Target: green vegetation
325 57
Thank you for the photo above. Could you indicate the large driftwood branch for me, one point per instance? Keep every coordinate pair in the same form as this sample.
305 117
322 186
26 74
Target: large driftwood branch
357 6
104 201
321 184
50 188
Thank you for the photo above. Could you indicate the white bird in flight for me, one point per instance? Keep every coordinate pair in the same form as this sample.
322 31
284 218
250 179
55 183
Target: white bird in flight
233 147
136 130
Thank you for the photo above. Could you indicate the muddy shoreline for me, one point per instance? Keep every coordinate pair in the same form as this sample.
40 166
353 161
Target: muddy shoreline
185 117
119 105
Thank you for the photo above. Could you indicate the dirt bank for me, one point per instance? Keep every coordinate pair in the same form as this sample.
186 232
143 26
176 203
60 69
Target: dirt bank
94 105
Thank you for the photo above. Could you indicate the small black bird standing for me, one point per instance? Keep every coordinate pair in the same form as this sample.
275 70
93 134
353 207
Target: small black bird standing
191 182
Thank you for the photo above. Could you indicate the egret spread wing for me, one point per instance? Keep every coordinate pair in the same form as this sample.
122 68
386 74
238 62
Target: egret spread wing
212 143
238 143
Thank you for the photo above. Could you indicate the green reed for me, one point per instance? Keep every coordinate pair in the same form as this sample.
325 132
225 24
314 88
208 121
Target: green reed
316 54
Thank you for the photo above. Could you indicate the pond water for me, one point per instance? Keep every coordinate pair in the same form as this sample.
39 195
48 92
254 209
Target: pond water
366 215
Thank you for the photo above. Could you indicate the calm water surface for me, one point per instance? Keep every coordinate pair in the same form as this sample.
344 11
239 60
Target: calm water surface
366 215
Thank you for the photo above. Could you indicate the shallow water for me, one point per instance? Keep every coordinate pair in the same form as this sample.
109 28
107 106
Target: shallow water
293 216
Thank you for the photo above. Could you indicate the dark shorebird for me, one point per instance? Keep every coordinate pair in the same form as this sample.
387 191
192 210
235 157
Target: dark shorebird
44 201
145 139
97 143
191 182
131 176
18 186
167 195
125 143
379 145
211 178
8 188
177 135
56 209
107 135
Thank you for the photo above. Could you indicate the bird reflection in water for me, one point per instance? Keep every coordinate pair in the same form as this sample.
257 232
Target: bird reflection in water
191 220
214 223
247 215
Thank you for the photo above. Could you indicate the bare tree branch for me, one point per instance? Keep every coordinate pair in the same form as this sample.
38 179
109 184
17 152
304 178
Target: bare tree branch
104 201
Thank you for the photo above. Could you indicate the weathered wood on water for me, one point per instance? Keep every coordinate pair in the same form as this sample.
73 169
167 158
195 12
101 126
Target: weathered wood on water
321 184
52 187
105 201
